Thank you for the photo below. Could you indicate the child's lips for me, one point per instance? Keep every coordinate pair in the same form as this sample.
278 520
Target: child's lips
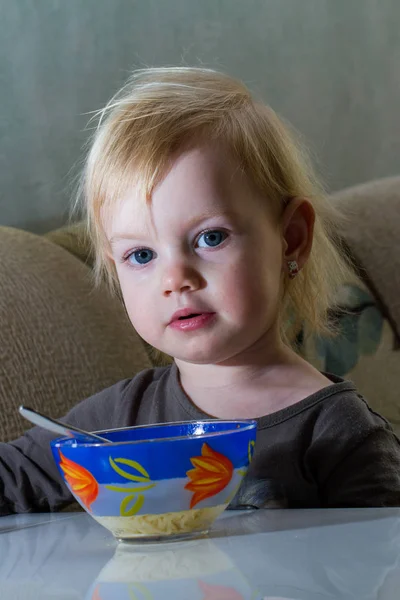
191 319
185 313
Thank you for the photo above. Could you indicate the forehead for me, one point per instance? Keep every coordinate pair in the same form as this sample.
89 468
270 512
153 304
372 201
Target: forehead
200 181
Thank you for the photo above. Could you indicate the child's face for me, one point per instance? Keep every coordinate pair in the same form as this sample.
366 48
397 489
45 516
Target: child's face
206 245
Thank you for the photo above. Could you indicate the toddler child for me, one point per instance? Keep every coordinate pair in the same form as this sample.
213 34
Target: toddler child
206 218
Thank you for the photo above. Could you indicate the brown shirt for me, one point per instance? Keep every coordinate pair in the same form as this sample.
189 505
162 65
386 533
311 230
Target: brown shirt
328 450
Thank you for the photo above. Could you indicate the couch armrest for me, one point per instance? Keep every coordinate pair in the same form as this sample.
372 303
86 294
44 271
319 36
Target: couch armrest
61 340
372 234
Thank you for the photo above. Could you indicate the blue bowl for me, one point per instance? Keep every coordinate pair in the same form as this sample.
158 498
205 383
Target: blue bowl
158 482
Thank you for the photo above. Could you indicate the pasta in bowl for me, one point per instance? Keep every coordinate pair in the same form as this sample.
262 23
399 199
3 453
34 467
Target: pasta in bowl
156 482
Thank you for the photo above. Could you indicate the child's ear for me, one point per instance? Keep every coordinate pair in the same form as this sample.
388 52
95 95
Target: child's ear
297 230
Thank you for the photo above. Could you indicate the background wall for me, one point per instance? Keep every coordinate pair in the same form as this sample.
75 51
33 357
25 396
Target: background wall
329 66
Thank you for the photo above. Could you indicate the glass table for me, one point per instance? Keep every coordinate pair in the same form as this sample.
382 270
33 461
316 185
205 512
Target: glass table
261 554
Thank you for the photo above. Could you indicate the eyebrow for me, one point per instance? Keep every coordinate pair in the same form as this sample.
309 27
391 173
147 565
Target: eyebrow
227 214
119 237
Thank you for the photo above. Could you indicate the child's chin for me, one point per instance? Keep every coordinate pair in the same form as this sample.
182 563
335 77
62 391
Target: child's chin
195 360
210 356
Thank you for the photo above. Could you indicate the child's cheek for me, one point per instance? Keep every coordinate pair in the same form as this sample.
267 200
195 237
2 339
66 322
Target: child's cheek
246 292
238 289
136 304
144 320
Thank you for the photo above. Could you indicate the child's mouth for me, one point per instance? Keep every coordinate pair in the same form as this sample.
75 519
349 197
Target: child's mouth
192 321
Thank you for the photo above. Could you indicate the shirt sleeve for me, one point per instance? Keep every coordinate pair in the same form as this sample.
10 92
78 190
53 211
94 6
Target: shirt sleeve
355 457
29 478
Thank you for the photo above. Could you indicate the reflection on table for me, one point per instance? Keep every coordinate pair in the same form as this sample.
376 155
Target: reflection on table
349 554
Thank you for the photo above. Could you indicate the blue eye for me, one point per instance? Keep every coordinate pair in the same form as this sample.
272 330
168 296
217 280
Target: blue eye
141 256
210 239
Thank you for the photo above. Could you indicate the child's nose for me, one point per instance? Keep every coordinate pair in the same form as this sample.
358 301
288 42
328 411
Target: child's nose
179 278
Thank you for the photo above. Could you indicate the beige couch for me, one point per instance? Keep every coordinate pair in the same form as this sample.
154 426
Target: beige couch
61 340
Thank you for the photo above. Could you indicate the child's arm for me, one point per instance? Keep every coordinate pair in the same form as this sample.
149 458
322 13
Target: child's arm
369 475
356 457
29 479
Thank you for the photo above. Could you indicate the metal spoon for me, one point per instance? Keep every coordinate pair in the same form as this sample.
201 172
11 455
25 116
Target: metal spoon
56 426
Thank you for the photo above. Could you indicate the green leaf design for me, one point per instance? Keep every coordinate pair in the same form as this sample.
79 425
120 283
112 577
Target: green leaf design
143 592
131 463
137 500
133 496
250 450
142 488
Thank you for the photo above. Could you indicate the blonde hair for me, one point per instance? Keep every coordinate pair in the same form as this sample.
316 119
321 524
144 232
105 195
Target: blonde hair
159 111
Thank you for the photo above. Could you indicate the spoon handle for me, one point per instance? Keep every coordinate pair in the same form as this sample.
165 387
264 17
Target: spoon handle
56 426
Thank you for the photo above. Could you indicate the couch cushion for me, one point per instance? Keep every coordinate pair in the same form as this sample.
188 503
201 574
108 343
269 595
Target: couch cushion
61 340
74 239
372 234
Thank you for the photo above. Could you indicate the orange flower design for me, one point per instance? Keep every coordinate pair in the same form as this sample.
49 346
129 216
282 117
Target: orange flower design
211 474
96 594
219 592
81 481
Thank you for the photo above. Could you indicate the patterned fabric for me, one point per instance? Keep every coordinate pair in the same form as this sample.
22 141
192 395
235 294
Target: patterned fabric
364 350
